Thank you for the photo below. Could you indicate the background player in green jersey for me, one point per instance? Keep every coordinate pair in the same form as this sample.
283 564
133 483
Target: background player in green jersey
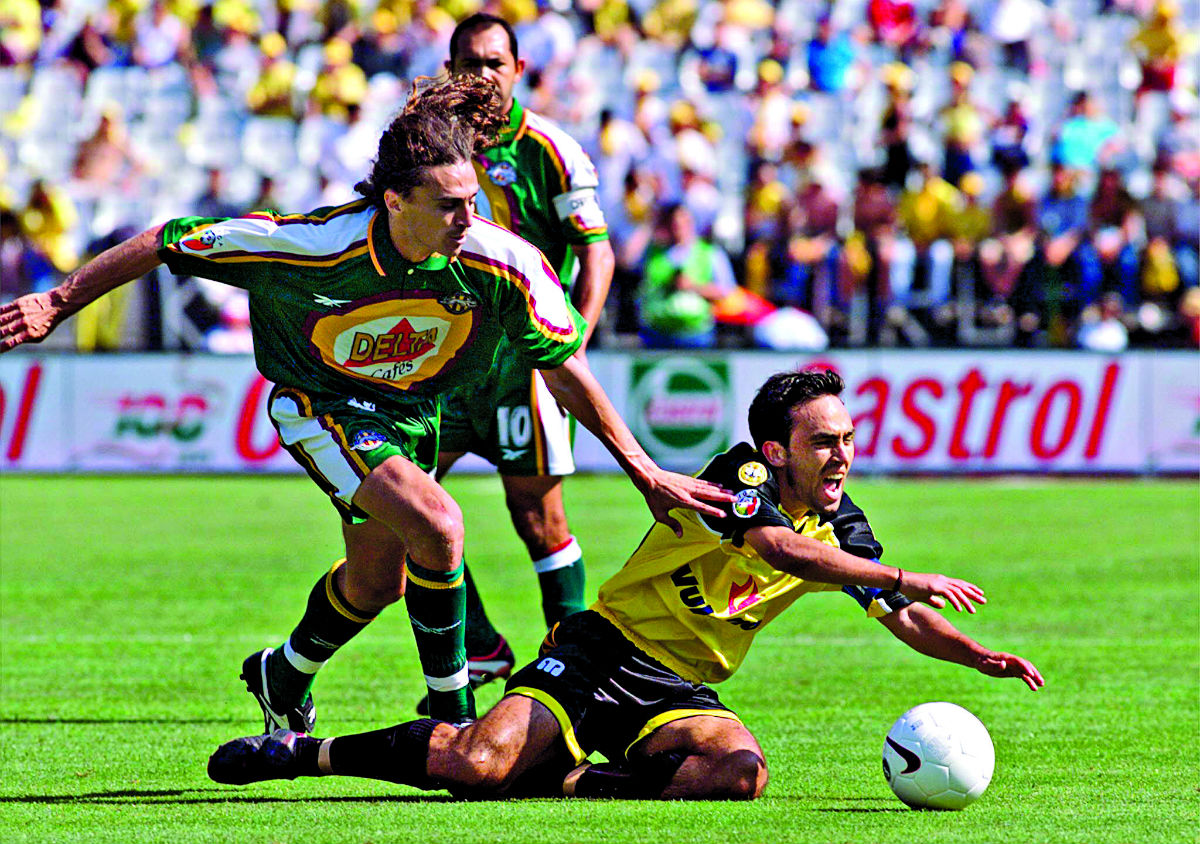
628 677
363 315
537 182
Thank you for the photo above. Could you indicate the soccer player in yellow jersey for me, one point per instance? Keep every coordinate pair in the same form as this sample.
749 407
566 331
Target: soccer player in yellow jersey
628 677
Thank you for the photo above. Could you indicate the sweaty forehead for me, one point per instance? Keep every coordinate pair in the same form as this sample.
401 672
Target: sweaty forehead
451 181
484 42
822 415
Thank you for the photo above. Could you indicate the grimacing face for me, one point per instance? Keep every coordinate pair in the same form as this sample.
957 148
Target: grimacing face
485 51
436 214
812 466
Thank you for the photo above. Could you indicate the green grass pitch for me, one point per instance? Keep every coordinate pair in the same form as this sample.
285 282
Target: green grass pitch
129 603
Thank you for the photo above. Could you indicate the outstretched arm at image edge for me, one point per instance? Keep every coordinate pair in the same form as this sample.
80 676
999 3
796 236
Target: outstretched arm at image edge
927 632
30 318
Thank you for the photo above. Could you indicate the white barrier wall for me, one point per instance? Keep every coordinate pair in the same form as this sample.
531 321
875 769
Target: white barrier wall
928 411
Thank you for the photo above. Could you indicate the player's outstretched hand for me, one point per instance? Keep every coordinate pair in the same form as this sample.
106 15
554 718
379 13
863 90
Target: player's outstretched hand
666 490
937 590
27 319
996 664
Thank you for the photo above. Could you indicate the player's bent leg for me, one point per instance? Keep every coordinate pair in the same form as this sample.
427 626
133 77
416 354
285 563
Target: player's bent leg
536 506
398 493
723 759
445 461
490 756
402 496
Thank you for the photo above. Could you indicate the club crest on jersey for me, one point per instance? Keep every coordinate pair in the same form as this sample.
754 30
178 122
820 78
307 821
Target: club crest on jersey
746 503
502 173
752 473
459 303
367 441
208 238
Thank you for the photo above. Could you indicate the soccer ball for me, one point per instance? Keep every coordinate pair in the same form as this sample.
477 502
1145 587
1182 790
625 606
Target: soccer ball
938 756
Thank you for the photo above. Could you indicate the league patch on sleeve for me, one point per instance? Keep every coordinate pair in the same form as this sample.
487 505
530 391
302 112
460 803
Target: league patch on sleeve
752 473
367 440
746 503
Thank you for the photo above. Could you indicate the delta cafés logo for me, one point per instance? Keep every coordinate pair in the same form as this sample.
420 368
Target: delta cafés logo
680 409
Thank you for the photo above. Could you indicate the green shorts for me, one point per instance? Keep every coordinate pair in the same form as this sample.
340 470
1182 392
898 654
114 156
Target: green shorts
339 440
511 420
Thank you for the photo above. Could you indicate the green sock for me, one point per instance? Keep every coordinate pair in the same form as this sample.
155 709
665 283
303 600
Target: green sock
561 577
437 609
329 622
481 637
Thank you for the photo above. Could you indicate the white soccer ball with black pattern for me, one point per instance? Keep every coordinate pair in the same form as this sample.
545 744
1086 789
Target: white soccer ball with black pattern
938 756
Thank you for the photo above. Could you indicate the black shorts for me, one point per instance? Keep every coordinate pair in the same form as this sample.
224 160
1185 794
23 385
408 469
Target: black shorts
605 692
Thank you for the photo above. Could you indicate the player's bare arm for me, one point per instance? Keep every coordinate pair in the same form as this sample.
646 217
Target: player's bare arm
929 633
31 318
574 386
819 562
596 264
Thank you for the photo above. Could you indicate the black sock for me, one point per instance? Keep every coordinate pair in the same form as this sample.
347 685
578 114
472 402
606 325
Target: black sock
635 779
397 754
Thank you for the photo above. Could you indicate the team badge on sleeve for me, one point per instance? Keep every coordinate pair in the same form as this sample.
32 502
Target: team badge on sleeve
746 503
502 173
367 440
752 473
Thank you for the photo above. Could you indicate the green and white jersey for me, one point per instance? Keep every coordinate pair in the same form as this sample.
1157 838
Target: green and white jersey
335 309
538 183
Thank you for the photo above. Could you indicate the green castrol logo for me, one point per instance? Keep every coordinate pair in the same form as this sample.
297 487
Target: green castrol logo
679 409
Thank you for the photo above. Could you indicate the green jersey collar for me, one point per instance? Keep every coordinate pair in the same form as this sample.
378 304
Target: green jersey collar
516 124
387 259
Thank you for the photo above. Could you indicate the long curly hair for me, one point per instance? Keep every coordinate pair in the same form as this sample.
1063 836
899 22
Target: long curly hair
445 121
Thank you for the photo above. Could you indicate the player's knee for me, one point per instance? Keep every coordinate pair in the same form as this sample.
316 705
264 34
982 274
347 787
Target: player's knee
745 775
482 765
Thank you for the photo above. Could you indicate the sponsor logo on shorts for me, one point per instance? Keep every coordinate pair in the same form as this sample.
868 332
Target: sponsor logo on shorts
752 473
512 453
459 303
502 173
368 440
551 666
746 503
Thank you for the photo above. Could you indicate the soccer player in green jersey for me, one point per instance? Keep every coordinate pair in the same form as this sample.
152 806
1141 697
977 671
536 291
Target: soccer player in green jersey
537 182
628 678
364 315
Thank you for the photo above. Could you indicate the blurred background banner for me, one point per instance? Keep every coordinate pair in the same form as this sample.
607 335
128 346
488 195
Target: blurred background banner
932 411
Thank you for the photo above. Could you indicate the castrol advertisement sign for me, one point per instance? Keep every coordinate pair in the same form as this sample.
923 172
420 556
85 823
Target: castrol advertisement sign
914 412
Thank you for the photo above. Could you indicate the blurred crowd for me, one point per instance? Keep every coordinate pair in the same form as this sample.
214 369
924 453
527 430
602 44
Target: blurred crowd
791 174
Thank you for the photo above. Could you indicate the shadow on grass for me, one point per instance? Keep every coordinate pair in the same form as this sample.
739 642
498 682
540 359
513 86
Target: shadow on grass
881 805
194 796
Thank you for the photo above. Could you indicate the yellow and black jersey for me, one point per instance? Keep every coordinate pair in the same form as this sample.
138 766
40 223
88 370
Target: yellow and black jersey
695 603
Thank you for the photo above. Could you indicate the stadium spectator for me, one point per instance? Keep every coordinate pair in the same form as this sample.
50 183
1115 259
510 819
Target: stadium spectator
1087 138
1159 44
1115 232
965 124
896 125
831 56
867 259
923 258
273 93
630 677
683 276
1070 278
1006 256
810 280
364 425
24 267
1169 263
